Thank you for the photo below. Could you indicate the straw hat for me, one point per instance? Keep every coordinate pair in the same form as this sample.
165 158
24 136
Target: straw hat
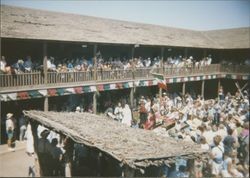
9 115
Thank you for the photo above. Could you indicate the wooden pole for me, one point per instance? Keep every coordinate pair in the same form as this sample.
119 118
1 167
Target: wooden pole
45 72
132 97
133 77
162 68
202 88
95 102
219 84
183 89
95 61
95 78
46 103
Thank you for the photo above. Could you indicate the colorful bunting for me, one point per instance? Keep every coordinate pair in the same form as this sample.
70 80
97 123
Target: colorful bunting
111 86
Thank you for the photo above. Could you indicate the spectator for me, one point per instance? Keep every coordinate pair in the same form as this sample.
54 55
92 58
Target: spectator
217 156
127 114
44 153
10 131
23 127
57 156
28 66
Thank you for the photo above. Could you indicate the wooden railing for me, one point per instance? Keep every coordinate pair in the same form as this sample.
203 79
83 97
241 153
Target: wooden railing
36 78
185 71
109 75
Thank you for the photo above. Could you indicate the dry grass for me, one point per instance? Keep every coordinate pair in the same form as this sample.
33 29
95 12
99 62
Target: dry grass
135 147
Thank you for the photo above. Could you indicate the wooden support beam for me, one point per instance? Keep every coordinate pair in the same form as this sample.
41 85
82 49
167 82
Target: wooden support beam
219 85
95 61
202 88
239 89
132 90
45 67
95 102
244 86
46 103
183 89
162 68
132 97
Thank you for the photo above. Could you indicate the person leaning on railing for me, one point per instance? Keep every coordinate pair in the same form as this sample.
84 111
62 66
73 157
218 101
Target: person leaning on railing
3 66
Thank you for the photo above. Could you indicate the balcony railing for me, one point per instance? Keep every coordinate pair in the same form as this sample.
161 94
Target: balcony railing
10 81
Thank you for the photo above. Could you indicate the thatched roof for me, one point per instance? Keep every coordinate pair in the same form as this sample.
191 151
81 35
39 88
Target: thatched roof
27 23
230 38
136 148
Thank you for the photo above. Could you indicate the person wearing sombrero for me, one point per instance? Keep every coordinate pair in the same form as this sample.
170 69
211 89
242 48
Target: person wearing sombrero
10 130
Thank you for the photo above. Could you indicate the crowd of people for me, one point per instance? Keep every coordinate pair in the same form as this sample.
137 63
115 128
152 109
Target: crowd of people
220 126
111 63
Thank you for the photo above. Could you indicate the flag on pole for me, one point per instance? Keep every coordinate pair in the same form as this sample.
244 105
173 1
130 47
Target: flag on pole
160 81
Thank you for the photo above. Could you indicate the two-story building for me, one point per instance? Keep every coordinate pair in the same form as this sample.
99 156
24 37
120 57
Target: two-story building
41 34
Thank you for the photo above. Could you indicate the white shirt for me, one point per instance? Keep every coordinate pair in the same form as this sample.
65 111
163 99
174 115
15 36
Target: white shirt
218 151
9 124
2 65
127 115
209 135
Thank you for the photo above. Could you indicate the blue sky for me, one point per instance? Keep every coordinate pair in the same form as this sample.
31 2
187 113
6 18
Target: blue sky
196 15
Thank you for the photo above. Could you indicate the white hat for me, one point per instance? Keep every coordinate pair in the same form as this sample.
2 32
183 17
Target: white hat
9 115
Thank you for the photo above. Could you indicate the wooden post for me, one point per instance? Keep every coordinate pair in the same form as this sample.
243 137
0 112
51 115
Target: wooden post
162 68
132 97
95 62
202 88
45 72
183 89
219 84
95 78
132 90
46 103
95 102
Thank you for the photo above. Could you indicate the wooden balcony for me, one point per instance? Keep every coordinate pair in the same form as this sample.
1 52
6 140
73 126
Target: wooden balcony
36 79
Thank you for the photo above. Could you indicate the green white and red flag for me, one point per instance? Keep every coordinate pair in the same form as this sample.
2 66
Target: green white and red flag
160 80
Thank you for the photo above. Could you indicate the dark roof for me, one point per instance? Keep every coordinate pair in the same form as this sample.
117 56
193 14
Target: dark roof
25 23
137 148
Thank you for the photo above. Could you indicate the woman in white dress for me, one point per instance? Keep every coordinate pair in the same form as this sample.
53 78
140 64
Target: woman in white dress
30 141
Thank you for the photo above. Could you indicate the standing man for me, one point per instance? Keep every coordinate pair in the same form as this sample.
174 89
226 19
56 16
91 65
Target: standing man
22 127
10 131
